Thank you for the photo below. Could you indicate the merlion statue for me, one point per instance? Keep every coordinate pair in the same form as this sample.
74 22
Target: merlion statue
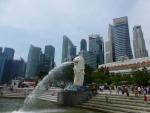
78 70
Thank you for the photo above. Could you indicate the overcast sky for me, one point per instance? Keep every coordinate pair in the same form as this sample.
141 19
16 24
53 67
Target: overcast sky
44 22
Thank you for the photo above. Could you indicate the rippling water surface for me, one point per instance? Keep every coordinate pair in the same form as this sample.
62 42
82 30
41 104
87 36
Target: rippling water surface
15 106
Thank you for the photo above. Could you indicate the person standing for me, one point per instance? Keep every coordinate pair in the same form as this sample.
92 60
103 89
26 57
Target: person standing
136 92
118 90
126 91
139 90
145 99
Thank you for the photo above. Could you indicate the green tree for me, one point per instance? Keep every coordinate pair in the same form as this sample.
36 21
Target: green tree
88 74
116 79
101 75
141 77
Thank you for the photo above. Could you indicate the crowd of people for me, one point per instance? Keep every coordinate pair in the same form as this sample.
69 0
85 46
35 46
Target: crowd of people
128 90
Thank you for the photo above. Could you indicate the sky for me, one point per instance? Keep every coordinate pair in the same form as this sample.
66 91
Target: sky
44 22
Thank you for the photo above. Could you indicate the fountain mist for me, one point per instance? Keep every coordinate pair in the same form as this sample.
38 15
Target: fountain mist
43 84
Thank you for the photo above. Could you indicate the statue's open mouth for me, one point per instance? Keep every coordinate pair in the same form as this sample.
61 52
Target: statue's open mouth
75 62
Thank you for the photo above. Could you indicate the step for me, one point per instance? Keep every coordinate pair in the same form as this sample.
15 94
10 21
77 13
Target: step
110 107
51 100
145 108
48 98
98 109
119 99
122 102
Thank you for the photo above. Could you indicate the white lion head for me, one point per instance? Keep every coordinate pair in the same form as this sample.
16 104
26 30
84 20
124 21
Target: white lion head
79 62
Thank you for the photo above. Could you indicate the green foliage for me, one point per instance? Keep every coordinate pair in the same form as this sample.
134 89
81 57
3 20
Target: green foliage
88 74
141 77
116 78
137 77
101 76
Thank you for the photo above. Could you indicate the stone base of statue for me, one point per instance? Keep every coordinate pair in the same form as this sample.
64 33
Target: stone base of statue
73 96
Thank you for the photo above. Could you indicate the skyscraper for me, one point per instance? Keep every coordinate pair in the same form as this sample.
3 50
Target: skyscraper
139 43
47 59
6 64
18 68
8 53
108 47
2 65
118 46
96 45
68 49
83 45
1 50
90 58
50 54
121 38
33 62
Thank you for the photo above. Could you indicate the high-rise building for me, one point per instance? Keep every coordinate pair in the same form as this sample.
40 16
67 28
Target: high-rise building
6 64
47 59
33 62
68 49
49 51
108 46
1 50
18 68
118 46
96 45
50 54
2 65
8 53
121 39
108 53
83 45
139 43
90 58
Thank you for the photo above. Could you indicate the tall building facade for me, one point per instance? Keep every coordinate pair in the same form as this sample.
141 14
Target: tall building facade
90 58
18 68
33 62
47 59
96 46
139 43
8 53
1 50
119 40
68 50
83 45
109 47
6 60
2 65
